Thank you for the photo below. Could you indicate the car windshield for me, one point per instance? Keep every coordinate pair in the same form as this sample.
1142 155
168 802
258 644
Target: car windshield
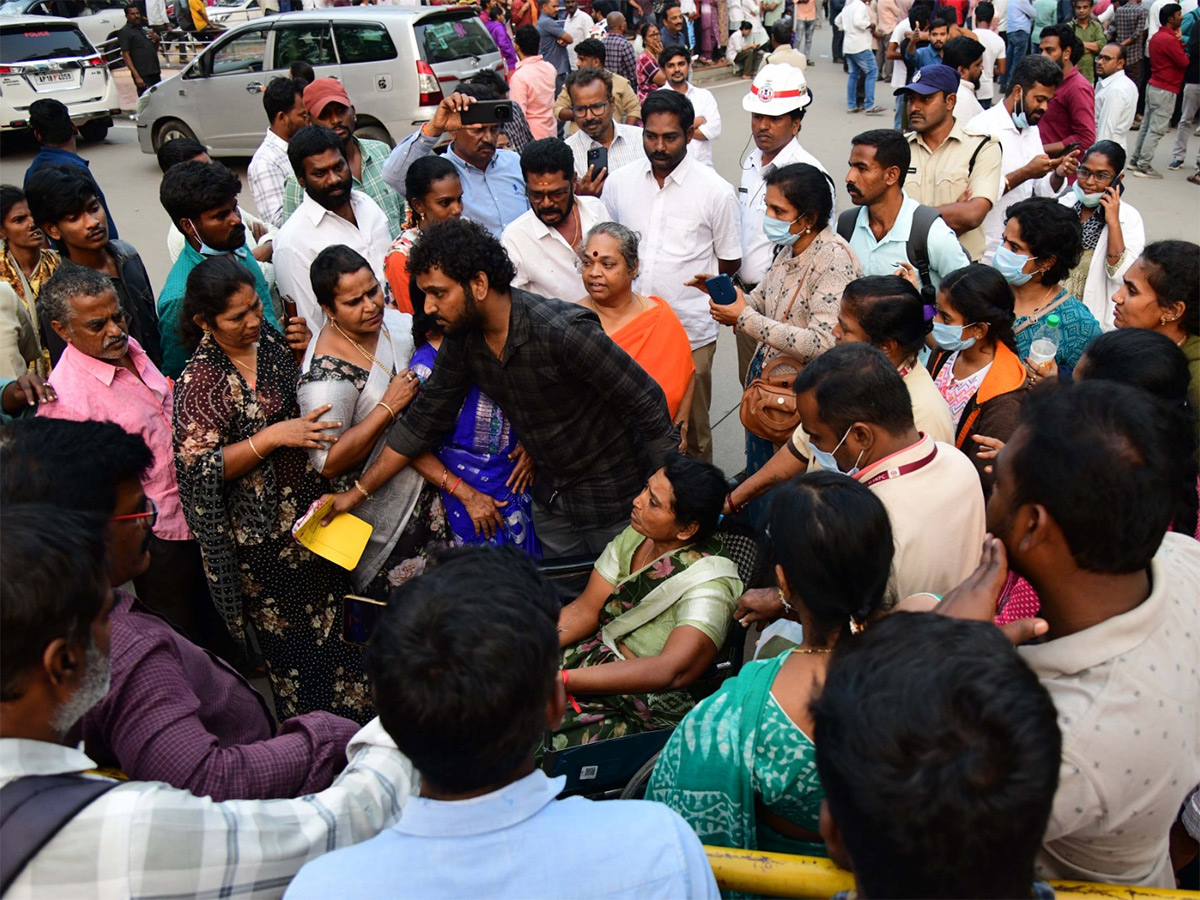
42 41
230 3
13 8
446 40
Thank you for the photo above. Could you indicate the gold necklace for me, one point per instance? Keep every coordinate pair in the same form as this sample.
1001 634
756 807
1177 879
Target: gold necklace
363 350
812 649
253 373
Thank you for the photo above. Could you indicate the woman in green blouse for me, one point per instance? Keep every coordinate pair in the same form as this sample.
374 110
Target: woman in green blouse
655 611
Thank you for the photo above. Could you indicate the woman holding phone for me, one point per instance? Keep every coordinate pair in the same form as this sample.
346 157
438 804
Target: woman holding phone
794 309
1113 233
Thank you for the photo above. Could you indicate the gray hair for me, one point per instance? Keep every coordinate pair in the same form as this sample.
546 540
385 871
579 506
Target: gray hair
70 281
627 241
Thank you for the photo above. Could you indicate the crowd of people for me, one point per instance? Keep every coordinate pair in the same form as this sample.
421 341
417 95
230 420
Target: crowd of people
971 463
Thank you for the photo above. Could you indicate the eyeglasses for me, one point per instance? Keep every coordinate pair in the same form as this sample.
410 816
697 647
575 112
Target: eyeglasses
151 513
1099 177
554 196
592 109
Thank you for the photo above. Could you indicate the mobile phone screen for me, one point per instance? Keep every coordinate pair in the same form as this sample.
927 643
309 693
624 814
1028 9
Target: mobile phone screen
360 615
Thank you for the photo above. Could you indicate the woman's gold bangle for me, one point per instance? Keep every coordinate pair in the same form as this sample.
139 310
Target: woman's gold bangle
391 411
255 449
362 490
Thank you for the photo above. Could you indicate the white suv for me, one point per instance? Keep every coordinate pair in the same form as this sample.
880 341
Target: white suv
42 56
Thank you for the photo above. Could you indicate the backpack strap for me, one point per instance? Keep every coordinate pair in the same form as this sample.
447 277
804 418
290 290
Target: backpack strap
845 223
34 809
975 155
917 247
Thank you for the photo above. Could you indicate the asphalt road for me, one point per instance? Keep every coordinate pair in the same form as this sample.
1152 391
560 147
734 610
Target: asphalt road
1171 207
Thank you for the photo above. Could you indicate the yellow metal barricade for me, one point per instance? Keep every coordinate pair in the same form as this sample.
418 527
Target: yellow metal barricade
816 878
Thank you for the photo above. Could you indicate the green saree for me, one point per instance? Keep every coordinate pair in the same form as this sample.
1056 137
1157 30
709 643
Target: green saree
694 586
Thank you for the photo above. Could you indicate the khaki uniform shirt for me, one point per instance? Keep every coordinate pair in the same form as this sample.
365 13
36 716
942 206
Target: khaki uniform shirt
937 178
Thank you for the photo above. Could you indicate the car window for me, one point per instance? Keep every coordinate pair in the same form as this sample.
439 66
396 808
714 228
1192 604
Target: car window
311 42
242 53
363 43
447 40
42 41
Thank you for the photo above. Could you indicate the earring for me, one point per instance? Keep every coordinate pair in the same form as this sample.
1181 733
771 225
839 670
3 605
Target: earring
784 600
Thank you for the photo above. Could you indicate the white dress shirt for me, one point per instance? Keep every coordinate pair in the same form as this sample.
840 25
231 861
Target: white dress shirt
856 22
900 34
966 106
147 839
757 251
1116 104
546 263
1016 148
1128 701
626 147
579 27
513 843
687 225
993 50
268 173
312 228
705 104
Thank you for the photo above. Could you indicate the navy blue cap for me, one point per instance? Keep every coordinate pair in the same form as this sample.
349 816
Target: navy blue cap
930 80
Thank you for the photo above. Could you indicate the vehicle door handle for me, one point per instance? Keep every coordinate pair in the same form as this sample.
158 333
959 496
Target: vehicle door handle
254 87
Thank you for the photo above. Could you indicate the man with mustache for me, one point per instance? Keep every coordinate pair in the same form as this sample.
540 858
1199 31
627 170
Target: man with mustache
328 104
592 91
492 183
201 199
690 222
676 62
65 204
544 243
1027 169
105 374
333 212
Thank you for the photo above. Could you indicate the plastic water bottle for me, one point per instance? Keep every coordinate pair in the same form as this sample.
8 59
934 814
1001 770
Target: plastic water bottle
1045 343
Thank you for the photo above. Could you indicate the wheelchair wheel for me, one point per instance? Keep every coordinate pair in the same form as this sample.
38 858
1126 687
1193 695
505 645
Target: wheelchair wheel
636 789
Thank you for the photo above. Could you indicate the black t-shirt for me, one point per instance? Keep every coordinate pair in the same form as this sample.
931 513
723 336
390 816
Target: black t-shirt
132 40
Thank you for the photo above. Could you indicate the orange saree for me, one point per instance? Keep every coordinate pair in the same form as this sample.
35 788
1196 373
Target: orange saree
657 342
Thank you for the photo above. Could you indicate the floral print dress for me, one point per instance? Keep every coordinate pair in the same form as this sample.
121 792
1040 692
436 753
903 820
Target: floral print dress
255 569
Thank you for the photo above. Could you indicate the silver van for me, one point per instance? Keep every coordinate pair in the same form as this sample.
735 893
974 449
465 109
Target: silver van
397 63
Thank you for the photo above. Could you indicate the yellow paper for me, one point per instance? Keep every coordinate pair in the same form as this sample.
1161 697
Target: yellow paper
342 541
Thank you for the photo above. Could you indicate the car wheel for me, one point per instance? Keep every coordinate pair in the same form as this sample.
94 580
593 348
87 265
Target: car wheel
169 131
374 133
95 130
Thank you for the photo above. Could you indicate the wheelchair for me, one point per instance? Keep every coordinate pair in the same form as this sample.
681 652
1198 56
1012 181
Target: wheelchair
620 767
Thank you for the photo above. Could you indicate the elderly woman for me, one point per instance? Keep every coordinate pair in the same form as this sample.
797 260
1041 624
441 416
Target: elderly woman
1040 246
356 370
793 311
655 611
644 327
244 480
741 768
434 193
1113 234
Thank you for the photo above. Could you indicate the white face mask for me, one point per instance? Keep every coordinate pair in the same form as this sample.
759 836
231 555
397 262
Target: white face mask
827 460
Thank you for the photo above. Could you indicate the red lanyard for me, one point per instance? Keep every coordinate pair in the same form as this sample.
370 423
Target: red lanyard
905 469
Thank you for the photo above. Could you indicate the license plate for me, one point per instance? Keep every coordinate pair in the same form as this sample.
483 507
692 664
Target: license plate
54 78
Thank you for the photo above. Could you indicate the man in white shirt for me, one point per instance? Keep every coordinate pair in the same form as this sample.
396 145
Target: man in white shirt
776 102
677 63
589 90
578 25
1118 648
269 167
1116 96
995 62
966 56
544 243
1026 169
858 44
689 219
487 821
138 839
331 213
743 54
917 19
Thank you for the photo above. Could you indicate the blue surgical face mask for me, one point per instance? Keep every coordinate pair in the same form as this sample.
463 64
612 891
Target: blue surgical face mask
949 337
778 231
1088 200
205 250
1010 264
1019 118
827 460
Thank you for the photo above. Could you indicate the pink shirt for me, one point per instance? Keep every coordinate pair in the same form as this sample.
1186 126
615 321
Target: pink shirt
532 88
90 388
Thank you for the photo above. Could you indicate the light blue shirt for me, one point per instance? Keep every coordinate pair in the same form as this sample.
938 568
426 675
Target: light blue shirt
1020 15
493 198
883 256
520 843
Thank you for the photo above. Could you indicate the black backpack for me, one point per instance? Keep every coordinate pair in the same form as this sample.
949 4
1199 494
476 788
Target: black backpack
917 248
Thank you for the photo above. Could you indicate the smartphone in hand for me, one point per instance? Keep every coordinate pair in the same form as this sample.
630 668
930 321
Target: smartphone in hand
487 112
597 159
721 289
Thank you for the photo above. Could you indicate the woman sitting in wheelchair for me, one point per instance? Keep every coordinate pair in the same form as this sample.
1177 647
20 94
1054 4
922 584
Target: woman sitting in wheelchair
655 611
832 542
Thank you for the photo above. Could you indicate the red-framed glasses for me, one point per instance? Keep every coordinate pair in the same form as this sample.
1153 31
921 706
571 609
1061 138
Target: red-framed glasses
151 513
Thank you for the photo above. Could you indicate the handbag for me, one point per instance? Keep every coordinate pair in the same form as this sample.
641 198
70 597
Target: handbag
769 403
